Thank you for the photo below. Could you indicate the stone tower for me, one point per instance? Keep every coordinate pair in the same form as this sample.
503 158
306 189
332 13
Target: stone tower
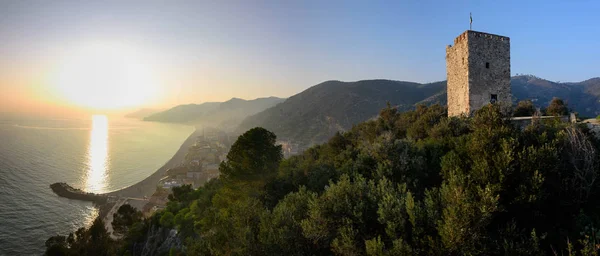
478 69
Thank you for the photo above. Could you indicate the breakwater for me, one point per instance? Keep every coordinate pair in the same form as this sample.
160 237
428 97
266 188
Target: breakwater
65 190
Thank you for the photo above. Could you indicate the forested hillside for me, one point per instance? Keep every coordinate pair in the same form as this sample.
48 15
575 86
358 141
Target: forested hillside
413 183
316 114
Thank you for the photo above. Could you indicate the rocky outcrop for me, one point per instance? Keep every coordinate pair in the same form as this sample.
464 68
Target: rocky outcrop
160 240
64 190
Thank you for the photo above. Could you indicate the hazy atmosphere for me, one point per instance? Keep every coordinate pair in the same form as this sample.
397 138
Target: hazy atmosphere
376 128
68 53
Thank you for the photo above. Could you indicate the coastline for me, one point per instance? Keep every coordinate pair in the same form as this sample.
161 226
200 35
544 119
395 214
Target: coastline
147 186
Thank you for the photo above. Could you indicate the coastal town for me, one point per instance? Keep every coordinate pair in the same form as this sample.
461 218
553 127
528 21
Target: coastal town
195 163
200 165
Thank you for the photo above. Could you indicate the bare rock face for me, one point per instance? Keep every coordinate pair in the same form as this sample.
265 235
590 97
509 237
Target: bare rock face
160 240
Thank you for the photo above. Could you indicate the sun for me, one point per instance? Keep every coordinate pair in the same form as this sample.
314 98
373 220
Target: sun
106 76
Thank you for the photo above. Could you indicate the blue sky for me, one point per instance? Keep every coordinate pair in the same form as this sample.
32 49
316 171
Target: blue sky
222 49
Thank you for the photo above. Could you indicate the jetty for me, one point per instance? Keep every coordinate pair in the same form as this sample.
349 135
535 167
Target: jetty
65 190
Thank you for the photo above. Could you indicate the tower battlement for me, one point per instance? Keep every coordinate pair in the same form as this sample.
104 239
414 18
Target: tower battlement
474 33
478 71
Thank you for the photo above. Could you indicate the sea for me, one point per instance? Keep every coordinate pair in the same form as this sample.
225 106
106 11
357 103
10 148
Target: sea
97 154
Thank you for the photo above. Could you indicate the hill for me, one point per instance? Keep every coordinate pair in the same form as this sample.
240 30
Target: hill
406 183
228 113
142 113
314 115
581 97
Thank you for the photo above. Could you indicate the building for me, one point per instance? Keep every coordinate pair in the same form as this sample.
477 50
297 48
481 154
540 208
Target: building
170 184
478 72
210 167
194 174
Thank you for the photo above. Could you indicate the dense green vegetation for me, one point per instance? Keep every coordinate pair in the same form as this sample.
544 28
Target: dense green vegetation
557 107
413 183
524 108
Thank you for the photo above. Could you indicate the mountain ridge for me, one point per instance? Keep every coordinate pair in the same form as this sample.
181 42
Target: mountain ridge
142 113
315 114
228 113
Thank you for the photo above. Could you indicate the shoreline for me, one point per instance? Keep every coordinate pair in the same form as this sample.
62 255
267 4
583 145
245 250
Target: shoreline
147 186
141 191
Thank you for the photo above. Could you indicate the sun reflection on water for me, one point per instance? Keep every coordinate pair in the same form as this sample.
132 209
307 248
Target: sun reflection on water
97 157
89 215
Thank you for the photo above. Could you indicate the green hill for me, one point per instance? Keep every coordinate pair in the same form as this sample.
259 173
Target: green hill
411 183
314 115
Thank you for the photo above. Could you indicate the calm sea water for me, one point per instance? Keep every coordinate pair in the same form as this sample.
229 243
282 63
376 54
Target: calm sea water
98 155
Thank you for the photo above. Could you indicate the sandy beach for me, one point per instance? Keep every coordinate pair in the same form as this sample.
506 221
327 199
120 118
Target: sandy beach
147 186
135 193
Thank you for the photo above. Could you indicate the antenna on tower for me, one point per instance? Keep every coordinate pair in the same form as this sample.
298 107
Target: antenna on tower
470 21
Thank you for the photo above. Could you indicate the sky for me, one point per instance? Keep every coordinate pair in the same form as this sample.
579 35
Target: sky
197 51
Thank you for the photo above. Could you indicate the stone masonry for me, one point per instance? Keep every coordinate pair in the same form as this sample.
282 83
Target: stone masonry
478 70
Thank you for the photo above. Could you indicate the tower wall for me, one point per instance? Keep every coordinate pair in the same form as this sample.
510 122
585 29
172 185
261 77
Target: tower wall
483 75
457 70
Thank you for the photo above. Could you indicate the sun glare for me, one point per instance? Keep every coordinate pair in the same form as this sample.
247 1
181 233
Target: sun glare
97 164
106 76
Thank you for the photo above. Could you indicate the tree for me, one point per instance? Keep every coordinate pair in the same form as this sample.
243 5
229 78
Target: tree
280 229
56 245
85 241
98 230
254 155
124 218
413 183
524 108
557 107
167 220
181 193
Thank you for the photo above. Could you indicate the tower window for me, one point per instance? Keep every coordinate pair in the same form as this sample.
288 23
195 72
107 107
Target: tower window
487 65
493 98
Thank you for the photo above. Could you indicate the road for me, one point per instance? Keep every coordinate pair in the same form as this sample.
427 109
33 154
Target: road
137 203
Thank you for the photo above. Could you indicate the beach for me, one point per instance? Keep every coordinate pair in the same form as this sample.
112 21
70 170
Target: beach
147 186
142 190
